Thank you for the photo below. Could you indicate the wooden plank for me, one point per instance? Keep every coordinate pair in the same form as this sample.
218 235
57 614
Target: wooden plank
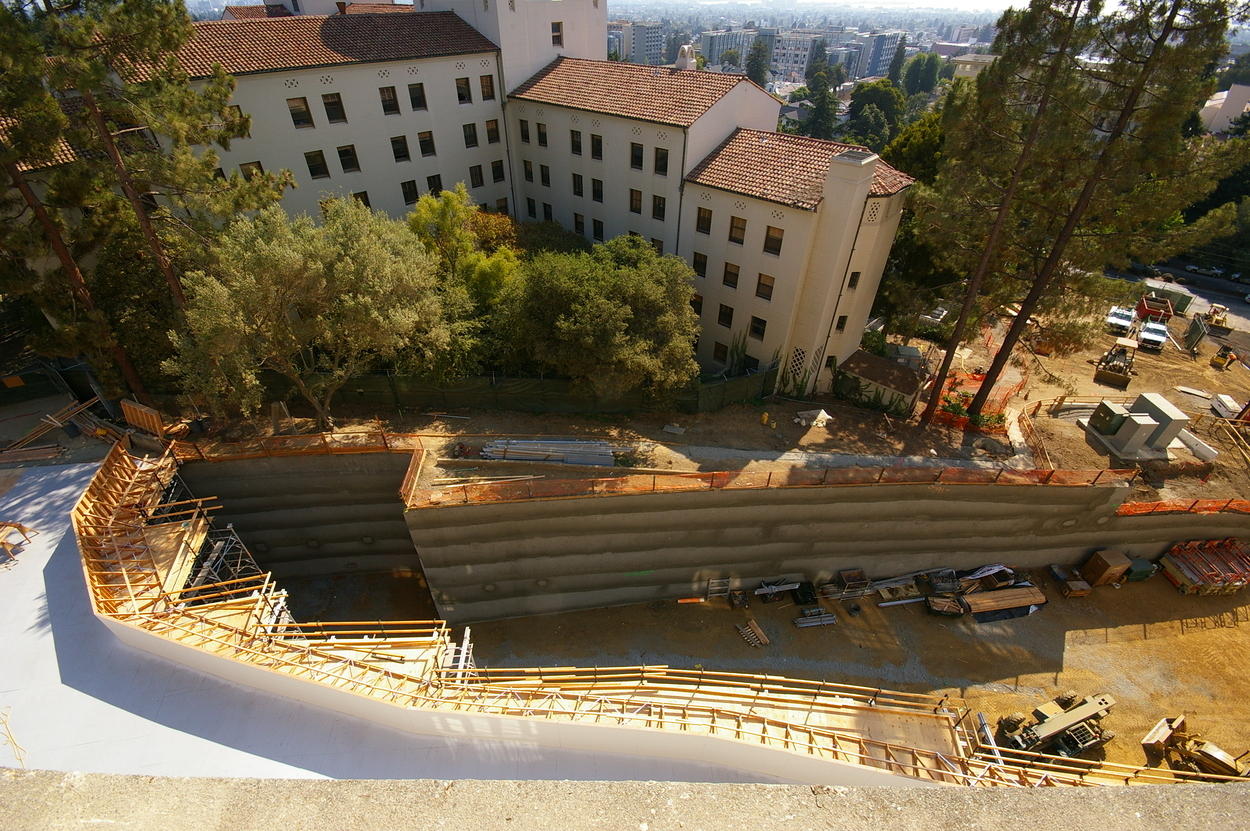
145 418
1004 599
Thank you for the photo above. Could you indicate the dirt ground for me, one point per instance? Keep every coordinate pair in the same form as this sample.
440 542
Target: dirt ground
1158 653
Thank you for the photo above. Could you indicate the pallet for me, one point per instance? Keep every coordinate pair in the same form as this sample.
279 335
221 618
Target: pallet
752 633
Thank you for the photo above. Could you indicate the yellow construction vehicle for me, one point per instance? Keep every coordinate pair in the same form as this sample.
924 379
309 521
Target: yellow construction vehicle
1224 358
1216 316
1115 367
1167 742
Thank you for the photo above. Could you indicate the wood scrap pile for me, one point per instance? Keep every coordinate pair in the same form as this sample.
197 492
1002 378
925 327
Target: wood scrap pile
1207 566
991 592
25 449
568 451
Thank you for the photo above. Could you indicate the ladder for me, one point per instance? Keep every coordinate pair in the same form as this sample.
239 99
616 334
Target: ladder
752 633
717 587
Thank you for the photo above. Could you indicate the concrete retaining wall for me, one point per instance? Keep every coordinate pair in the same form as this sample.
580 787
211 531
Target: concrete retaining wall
510 559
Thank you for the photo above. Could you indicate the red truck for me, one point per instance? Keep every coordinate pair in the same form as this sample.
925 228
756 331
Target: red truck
1151 307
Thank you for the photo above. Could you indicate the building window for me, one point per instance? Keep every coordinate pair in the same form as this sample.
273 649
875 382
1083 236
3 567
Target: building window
492 132
737 229
764 287
547 211
635 201
772 240
348 160
757 328
661 161
525 131
597 230
475 176
434 184
470 135
332 103
409 189
730 277
726 316
557 33
531 208
399 147
527 167
544 175
575 142
317 167
596 190
854 281
425 140
658 245
390 101
635 155
301 116
750 364
720 353
703 223
501 205
464 93
542 134
577 184
496 171
416 96
696 303
236 112
596 146
362 197
487 85
657 207
700 264
841 327
579 224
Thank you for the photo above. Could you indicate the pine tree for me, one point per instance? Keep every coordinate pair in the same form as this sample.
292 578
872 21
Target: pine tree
817 60
757 62
823 118
895 73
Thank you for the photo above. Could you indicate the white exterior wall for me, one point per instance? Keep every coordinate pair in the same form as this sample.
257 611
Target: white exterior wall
1225 107
276 143
746 105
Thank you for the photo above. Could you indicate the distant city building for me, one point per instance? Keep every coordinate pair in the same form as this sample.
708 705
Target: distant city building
714 45
970 66
878 51
639 42
1225 107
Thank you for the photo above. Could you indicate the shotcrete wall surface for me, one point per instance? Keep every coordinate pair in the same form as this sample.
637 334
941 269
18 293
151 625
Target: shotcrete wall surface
496 560
305 515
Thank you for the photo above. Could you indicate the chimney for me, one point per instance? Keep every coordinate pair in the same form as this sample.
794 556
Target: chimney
342 6
685 57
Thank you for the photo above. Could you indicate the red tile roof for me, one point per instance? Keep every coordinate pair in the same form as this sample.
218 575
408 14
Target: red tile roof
256 12
244 47
61 152
649 93
789 170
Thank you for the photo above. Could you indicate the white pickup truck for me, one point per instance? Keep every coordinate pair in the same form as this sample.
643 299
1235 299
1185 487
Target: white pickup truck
1152 336
1120 319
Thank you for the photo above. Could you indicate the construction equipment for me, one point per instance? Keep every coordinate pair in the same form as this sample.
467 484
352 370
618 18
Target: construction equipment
1216 318
1066 725
1115 367
1153 307
1224 358
1169 742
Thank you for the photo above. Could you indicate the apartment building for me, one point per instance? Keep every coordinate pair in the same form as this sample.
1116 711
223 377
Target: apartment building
642 43
713 45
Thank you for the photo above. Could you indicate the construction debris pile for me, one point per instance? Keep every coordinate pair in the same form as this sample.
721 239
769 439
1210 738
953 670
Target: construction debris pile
75 418
992 592
1207 566
568 451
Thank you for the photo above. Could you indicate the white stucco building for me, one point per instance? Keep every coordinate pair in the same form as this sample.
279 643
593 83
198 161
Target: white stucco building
1225 107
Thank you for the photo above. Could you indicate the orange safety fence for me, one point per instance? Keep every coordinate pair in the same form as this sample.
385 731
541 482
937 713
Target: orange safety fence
732 480
1185 506
372 441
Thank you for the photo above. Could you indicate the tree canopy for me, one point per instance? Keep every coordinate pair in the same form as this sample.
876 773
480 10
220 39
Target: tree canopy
757 62
817 60
883 95
895 73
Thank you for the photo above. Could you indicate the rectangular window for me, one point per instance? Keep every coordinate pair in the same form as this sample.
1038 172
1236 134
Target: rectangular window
425 140
399 147
579 224
658 245
464 93
635 201
544 175
661 161
301 116
492 132
696 303
841 327
737 229
658 205
470 135
635 155
390 101
730 277
703 223
720 353
557 33
764 287
547 211
362 197
853 281
527 167
700 264
496 171
772 240
597 226
542 134
750 364
416 96
525 131
758 325
409 189
434 184
487 85
575 142
475 176
317 167
347 158
332 103
236 112
501 205
726 316
596 146
577 184
596 190
531 208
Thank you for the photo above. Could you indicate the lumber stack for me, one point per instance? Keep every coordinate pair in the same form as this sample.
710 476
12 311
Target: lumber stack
1207 566
568 451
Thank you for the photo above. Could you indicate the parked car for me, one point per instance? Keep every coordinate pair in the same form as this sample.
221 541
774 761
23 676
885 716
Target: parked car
1206 271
